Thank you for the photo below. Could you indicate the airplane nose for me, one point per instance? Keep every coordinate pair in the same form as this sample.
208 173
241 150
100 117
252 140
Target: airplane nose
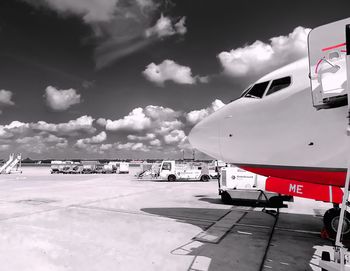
205 137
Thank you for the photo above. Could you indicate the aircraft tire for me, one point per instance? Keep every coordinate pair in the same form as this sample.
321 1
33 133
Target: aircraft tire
331 219
171 178
226 198
205 178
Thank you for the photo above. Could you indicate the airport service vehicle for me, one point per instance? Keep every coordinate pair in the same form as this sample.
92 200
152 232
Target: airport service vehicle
12 165
123 168
236 184
299 141
99 169
214 168
66 167
172 171
55 166
108 169
114 166
76 168
147 170
89 166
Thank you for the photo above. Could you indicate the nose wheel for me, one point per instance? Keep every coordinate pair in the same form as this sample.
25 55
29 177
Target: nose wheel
331 221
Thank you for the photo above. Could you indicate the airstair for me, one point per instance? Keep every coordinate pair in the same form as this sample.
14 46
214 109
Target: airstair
12 165
329 63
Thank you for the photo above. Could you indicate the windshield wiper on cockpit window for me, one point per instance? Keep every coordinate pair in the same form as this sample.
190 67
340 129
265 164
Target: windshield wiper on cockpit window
251 96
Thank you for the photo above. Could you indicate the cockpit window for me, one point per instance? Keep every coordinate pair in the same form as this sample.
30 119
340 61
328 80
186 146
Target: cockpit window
257 91
245 91
279 84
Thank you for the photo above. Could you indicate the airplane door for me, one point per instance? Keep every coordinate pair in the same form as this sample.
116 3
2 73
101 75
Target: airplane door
327 64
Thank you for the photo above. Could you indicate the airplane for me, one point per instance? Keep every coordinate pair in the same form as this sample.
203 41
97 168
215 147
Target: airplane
291 126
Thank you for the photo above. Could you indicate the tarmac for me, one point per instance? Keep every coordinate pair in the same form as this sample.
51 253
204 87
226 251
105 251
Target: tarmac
116 222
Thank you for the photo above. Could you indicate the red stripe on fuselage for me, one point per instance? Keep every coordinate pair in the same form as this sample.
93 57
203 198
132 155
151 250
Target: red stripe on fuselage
326 176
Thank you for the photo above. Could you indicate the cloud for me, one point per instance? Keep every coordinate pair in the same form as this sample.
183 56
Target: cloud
151 126
196 116
99 138
148 136
132 146
164 27
41 143
135 121
60 100
169 70
101 121
160 113
160 131
118 26
5 99
174 136
260 57
81 125
156 142
91 11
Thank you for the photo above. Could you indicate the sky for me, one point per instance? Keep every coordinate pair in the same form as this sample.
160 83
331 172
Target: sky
130 78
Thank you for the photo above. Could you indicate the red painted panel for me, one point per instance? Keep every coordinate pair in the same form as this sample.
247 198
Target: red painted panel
319 192
319 176
333 47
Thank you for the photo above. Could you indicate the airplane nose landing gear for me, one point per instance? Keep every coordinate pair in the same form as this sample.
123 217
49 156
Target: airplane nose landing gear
331 221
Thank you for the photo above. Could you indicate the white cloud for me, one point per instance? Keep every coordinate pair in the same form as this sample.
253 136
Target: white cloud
260 57
91 11
148 136
135 121
164 27
169 70
156 142
180 26
156 112
102 122
81 125
174 136
196 116
60 100
120 27
14 128
167 126
54 139
5 97
41 143
133 146
106 147
97 139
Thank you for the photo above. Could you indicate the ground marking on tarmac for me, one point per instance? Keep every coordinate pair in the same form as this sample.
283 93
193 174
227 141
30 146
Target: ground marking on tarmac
267 266
220 228
284 263
244 232
200 263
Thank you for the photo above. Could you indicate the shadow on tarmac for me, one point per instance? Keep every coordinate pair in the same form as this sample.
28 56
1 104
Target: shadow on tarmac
245 246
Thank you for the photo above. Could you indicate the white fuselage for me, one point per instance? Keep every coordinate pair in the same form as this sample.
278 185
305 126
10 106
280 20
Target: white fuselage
282 129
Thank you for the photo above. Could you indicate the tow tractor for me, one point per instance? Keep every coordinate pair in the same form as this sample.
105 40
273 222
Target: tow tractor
238 185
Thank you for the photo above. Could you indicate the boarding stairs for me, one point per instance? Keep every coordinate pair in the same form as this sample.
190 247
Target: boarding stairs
13 165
